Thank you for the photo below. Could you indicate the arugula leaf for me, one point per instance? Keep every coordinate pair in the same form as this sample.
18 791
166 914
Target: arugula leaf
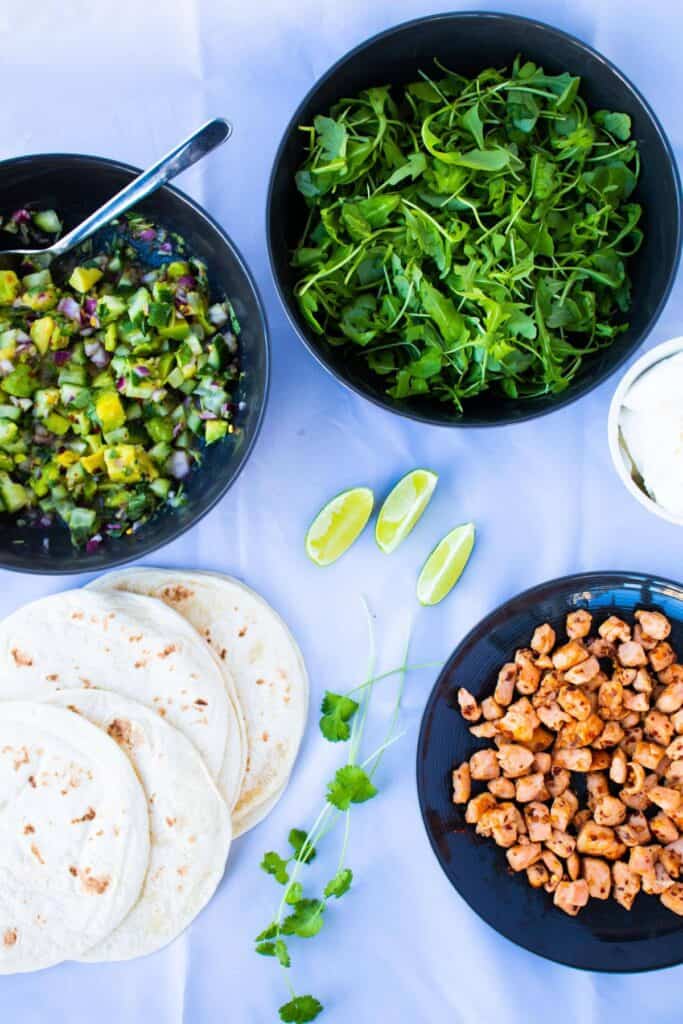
337 711
300 1010
296 839
274 865
473 123
618 125
414 166
340 884
351 785
306 919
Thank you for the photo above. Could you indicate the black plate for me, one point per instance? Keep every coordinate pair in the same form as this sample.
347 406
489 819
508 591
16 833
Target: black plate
75 186
604 936
467 43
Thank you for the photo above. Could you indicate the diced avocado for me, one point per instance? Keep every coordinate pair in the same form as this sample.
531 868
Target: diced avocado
110 338
161 487
57 424
41 332
75 476
45 401
40 300
160 314
177 330
73 373
8 344
47 220
13 495
10 286
75 396
95 462
160 452
83 278
159 429
119 436
122 462
138 307
38 281
20 382
8 432
110 307
10 412
177 268
214 430
81 520
110 411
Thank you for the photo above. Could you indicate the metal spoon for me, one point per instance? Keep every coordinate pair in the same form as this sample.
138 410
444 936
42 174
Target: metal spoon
201 142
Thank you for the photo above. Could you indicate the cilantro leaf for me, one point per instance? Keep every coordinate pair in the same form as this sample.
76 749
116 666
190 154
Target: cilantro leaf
265 948
282 953
306 920
274 865
294 893
351 785
268 933
297 837
300 1010
337 712
340 884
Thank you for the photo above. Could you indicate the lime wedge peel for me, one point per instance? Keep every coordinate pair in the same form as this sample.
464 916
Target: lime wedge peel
445 565
402 508
338 524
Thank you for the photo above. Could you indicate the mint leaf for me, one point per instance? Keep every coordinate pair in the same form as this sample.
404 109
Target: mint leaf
306 919
351 785
297 837
337 712
340 884
300 1010
274 865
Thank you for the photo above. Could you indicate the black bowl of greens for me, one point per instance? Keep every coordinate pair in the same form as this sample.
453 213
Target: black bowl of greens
133 372
473 219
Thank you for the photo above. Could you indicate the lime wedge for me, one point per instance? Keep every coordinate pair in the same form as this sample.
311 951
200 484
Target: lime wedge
443 568
403 507
337 525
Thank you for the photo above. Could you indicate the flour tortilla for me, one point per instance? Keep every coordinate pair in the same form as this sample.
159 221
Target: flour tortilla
189 823
74 836
266 665
132 645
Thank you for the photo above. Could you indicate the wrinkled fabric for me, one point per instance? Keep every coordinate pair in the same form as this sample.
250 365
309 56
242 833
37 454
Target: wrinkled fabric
126 79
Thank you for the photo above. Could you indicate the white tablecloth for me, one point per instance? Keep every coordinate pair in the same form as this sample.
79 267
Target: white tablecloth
127 79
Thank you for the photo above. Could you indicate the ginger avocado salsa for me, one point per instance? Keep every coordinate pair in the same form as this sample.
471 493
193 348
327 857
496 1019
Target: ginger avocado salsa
115 373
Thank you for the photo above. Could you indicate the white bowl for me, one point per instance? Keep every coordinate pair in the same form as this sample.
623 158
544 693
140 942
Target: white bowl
620 457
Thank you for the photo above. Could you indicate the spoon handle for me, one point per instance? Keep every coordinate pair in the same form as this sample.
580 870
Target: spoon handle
201 142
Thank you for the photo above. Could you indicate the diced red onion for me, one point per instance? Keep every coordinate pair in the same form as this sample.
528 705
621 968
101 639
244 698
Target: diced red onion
142 371
150 277
147 235
186 281
69 307
22 336
165 247
6 367
61 357
205 415
120 383
158 394
21 217
96 354
93 544
90 306
217 315
179 465
45 520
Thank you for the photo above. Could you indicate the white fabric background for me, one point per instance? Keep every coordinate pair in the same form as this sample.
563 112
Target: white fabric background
126 79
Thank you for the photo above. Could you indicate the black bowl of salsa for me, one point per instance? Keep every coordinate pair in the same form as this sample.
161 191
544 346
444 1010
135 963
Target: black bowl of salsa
75 185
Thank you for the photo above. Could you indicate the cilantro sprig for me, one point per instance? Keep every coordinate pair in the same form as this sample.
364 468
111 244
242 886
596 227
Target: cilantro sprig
300 914
467 234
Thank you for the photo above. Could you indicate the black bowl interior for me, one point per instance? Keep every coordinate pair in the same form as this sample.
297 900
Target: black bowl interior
468 43
75 186
604 937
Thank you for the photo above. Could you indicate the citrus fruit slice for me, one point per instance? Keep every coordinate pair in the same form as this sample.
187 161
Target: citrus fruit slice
403 507
443 568
338 524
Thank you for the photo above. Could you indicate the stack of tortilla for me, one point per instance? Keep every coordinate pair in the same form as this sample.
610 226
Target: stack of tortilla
145 722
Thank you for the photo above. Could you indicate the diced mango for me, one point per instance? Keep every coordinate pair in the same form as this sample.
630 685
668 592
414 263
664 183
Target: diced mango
83 278
66 458
93 463
10 286
123 464
41 332
110 411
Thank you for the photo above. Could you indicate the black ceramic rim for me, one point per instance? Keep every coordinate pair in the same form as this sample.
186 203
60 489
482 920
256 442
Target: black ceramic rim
201 214
572 583
292 126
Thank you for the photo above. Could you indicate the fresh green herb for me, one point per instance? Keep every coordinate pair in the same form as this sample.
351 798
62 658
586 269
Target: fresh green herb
303 916
467 234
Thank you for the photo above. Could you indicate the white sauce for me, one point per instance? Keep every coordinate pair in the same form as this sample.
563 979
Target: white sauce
651 423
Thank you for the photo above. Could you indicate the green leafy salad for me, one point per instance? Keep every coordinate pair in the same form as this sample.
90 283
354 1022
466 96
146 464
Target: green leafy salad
116 369
469 233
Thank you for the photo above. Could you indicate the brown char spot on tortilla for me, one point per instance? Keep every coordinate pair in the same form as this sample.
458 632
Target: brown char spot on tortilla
140 664
32 781
37 854
93 884
242 631
121 731
10 937
168 649
21 659
88 816
170 822
53 677
201 703
77 616
260 682
28 830
175 594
